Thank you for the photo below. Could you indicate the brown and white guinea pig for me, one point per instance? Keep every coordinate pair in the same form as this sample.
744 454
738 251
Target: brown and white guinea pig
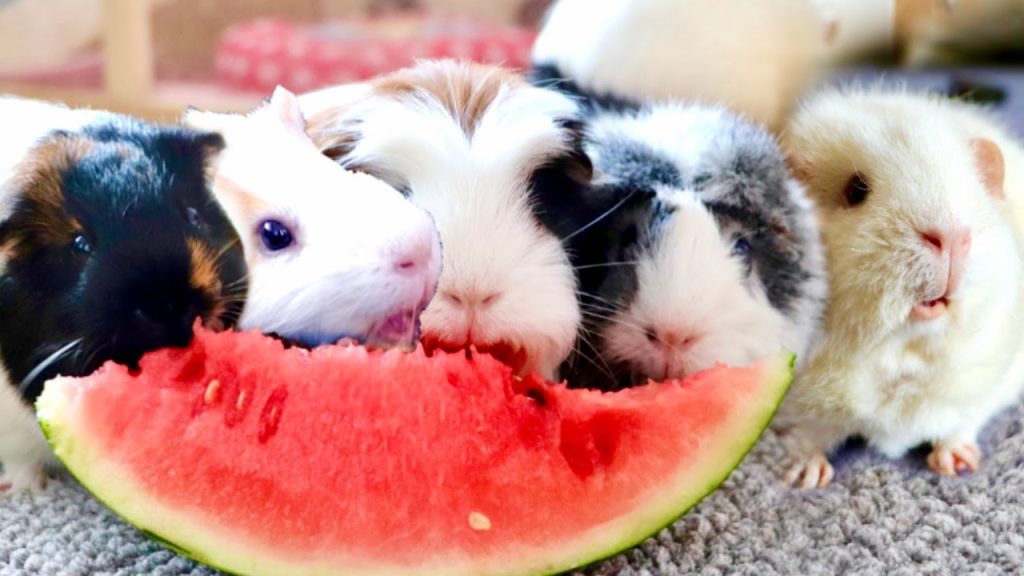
755 57
921 201
478 148
111 245
332 254
700 248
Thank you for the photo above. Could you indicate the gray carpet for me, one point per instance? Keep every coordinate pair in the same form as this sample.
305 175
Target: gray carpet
879 517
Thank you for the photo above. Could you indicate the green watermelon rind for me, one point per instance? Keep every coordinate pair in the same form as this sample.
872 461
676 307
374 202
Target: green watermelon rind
779 375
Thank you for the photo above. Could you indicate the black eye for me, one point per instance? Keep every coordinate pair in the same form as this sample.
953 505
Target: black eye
741 247
857 190
81 244
275 236
193 217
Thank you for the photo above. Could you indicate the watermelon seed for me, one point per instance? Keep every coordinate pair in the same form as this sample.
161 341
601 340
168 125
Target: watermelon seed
212 391
479 522
241 400
537 396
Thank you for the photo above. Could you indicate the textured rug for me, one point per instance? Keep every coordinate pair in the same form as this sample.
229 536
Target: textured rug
879 517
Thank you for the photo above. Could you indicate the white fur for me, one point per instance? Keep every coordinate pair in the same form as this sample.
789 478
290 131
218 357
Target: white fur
897 382
23 450
752 55
476 189
339 278
691 286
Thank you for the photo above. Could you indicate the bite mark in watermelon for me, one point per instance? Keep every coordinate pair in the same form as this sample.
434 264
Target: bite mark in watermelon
262 460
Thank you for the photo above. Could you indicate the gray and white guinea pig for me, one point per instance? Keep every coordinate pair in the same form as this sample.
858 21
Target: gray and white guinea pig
702 250
752 56
111 245
921 201
478 148
332 254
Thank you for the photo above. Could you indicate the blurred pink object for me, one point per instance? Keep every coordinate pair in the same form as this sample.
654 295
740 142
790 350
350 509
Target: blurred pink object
261 54
84 70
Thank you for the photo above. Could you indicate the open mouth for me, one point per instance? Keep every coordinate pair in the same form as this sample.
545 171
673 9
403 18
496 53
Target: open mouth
930 309
509 354
400 330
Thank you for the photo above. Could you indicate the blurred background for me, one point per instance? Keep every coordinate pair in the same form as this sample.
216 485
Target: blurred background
154 57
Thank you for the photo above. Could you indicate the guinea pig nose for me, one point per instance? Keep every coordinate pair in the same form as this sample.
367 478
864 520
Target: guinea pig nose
415 252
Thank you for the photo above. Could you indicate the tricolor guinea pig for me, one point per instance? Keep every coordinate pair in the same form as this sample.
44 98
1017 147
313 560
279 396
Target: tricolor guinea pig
921 201
332 254
481 150
111 245
700 249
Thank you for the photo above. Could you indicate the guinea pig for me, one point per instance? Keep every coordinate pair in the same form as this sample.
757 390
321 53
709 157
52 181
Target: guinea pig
111 245
755 57
705 249
332 254
921 201
478 148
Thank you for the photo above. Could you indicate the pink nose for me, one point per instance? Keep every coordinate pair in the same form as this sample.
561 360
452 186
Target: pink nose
671 338
414 253
954 246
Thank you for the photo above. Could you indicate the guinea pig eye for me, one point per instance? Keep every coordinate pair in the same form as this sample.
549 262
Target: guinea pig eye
857 190
81 244
193 217
741 248
275 235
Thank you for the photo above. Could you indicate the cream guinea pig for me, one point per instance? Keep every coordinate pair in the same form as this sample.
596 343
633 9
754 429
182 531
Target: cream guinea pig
922 207
332 254
479 149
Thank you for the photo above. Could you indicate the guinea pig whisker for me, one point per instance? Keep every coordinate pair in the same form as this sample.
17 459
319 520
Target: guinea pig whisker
598 219
606 265
595 360
592 296
224 249
45 364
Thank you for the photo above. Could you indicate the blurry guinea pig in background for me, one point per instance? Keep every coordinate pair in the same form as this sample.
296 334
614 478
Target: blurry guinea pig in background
482 151
698 248
331 253
111 245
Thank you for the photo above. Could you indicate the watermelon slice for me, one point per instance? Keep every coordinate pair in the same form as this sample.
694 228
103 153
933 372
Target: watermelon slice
263 460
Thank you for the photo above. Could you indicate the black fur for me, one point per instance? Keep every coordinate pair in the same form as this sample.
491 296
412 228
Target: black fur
549 76
131 193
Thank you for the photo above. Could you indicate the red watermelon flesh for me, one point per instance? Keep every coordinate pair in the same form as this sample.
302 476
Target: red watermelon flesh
264 460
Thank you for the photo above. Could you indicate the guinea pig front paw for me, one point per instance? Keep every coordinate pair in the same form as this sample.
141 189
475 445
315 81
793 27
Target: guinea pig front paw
810 472
26 478
948 458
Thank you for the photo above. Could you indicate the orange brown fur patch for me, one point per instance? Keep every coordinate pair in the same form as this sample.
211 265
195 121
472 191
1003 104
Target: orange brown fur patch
37 182
465 90
330 138
204 272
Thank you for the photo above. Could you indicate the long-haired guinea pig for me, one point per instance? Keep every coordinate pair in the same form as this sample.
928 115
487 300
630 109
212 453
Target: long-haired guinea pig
111 245
753 56
704 249
331 253
479 148
921 201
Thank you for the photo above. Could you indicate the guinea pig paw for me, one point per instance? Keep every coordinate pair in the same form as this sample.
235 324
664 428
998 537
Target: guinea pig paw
22 479
812 472
951 458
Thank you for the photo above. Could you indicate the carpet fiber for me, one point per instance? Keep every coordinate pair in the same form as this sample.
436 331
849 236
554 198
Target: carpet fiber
879 517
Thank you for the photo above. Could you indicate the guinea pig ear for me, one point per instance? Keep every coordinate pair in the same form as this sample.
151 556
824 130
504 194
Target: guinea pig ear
799 166
988 159
285 106
208 121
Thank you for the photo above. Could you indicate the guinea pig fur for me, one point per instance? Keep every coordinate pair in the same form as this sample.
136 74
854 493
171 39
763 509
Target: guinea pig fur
331 253
111 245
922 207
753 56
477 147
707 251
